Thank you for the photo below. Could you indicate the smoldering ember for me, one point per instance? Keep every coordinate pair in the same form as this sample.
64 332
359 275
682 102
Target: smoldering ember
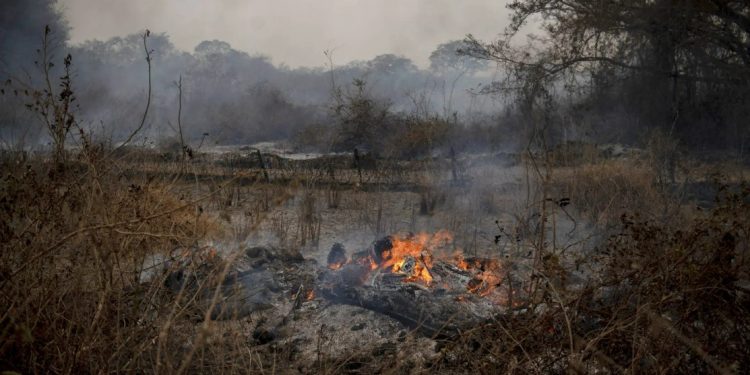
399 187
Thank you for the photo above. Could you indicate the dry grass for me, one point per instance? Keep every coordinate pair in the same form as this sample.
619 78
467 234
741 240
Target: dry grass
665 300
75 240
603 191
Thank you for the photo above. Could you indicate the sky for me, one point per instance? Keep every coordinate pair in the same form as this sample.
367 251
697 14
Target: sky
295 32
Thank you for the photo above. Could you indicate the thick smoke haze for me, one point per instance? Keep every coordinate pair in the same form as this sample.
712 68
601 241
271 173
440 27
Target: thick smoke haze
252 71
256 71
295 32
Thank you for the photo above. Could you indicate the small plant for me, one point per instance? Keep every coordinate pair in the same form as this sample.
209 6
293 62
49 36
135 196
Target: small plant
54 107
361 119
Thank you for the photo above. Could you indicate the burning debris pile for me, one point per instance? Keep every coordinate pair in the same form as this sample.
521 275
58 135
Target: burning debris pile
420 280
305 312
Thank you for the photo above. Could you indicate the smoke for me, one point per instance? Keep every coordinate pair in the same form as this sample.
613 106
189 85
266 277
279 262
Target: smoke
296 32
237 97
22 24
232 95
22 27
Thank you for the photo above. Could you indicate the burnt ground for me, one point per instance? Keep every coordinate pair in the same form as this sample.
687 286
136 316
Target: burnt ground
282 308
281 235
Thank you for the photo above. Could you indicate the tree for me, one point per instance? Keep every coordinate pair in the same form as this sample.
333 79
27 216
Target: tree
448 61
685 53
391 64
448 57
22 23
361 119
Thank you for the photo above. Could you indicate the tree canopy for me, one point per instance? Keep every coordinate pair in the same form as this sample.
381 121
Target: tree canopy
678 64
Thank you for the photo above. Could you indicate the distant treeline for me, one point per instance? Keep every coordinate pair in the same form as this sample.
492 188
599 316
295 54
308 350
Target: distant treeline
600 71
231 95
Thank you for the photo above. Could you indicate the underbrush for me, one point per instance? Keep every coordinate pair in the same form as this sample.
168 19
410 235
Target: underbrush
666 299
605 190
78 295
106 273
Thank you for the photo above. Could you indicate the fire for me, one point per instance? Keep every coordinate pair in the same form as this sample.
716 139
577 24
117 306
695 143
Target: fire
487 276
412 255
337 257
458 259
484 283
310 295
417 270
336 266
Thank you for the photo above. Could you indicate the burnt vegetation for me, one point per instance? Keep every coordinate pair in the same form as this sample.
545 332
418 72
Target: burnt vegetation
210 212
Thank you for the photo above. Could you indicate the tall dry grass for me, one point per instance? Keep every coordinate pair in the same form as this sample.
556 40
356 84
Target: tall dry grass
75 238
602 191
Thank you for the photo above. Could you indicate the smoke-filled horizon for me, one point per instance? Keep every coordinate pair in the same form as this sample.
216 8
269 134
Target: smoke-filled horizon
255 71
291 32
236 96
231 91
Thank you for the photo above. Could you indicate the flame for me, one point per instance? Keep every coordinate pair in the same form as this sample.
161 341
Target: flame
419 273
460 262
486 278
310 295
335 266
412 255
368 261
416 249
484 284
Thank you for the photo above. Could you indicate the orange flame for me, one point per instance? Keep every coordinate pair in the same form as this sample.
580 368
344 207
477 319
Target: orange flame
336 266
412 256
484 283
417 250
460 262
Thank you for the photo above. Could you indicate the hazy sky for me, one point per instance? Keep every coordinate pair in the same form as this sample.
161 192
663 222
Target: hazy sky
295 32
